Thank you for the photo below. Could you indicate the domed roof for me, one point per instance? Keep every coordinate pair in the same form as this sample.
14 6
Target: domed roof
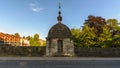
59 30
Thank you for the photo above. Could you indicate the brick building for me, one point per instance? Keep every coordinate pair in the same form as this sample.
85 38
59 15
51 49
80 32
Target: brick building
12 40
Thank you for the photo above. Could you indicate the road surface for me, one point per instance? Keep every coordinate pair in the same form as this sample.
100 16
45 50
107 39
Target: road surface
36 62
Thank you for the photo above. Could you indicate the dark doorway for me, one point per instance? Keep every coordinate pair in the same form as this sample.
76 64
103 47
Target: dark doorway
60 46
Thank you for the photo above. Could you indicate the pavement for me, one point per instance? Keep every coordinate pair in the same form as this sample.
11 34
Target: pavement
59 58
59 62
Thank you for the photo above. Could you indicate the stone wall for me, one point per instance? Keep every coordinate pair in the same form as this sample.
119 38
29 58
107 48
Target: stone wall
67 45
97 52
28 51
22 51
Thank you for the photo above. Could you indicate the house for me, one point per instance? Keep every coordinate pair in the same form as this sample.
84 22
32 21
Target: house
12 40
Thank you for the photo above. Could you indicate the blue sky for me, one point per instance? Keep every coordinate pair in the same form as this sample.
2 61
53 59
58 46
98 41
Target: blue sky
29 17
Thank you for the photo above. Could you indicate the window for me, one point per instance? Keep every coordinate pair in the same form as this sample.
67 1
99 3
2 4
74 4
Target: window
60 46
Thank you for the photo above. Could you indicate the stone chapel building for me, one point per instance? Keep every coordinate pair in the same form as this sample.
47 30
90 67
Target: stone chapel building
59 41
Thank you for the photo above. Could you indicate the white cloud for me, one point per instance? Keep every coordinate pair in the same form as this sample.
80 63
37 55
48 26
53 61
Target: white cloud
34 7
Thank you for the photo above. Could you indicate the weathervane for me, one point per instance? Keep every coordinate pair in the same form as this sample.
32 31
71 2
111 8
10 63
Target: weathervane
59 17
59 5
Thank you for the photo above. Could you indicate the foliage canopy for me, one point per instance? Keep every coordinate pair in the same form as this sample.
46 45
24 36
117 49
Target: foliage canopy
97 32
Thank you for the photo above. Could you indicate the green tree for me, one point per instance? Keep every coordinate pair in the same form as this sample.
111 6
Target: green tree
97 32
36 37
35 40
76 32
116 41
84 37
17 34
87 37
95 22
32 42
28 38
113 24
115 31
105 37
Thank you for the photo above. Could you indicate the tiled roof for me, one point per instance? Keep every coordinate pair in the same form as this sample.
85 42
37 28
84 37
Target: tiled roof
59 30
